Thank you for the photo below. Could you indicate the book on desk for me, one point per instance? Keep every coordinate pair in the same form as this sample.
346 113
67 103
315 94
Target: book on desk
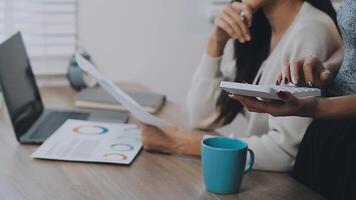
99 99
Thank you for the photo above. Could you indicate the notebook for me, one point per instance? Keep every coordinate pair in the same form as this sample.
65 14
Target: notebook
99 99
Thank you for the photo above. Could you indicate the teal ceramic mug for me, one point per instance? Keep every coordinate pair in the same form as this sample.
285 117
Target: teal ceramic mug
224 164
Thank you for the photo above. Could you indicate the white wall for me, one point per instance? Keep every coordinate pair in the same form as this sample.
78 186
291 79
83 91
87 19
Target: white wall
158 43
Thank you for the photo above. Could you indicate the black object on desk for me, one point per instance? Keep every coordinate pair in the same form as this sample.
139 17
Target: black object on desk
31 121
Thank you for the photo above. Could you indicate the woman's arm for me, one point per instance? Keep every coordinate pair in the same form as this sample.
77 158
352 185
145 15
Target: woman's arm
205 89
319 108
336 107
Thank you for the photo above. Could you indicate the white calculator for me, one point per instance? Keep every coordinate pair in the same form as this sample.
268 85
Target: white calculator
267 91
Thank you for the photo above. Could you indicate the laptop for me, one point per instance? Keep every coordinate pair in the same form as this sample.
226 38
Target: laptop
31 121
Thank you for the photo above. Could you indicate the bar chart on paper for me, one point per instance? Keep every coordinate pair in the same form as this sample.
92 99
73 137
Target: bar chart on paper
84 141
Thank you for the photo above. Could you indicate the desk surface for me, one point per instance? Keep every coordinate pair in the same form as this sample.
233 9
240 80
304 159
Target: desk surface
151 176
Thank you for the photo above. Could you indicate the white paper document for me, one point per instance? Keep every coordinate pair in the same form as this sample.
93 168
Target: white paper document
85 141
120 95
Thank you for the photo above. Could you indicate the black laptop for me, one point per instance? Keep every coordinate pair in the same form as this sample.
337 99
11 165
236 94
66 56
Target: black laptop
31 122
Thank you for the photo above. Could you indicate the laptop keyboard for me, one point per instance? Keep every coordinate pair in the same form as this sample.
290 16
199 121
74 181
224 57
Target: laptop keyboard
53 121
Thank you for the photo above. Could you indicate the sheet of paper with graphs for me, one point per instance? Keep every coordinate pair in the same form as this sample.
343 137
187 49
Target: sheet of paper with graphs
120 95
85 141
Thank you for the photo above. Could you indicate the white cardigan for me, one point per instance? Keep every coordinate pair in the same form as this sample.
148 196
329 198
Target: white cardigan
274 140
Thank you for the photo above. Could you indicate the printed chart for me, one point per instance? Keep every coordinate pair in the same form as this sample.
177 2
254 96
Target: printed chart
84 141
90 130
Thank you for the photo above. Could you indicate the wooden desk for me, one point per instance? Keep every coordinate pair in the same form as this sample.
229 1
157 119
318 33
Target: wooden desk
151 176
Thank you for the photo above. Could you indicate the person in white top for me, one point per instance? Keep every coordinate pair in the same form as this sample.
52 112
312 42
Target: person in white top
255 39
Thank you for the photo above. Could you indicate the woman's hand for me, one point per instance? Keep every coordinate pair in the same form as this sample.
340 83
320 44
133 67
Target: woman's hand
308 71
171 140
289 106
159 139
233 22
311 72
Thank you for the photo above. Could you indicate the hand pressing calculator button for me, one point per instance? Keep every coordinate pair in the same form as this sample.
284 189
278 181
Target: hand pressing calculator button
267 91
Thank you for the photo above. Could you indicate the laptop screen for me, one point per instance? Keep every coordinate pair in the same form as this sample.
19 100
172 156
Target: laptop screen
18 85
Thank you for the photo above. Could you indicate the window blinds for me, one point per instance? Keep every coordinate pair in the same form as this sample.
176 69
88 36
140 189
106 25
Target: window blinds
49 27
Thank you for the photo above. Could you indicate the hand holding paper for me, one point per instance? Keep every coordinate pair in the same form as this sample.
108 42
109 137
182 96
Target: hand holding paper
120 95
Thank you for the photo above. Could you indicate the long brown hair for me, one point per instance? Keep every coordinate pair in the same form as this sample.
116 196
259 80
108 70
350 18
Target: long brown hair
250 56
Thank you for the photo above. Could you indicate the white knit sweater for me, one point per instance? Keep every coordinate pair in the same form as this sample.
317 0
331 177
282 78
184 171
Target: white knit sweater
274 140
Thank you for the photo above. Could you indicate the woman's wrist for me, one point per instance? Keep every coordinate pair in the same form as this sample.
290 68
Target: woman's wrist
216 47
324 108
188 144
310 107
317 108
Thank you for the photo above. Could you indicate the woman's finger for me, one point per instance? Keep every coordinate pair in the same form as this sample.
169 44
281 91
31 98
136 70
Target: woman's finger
279 78
244 28
246 9
248 102
226 27
308 71
234 12
233 24
248 13
275 108
286 74
144 127
288 98
295 70
251 103
147 128
325 78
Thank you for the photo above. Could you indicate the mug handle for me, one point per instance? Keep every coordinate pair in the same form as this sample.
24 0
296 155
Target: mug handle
250 162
